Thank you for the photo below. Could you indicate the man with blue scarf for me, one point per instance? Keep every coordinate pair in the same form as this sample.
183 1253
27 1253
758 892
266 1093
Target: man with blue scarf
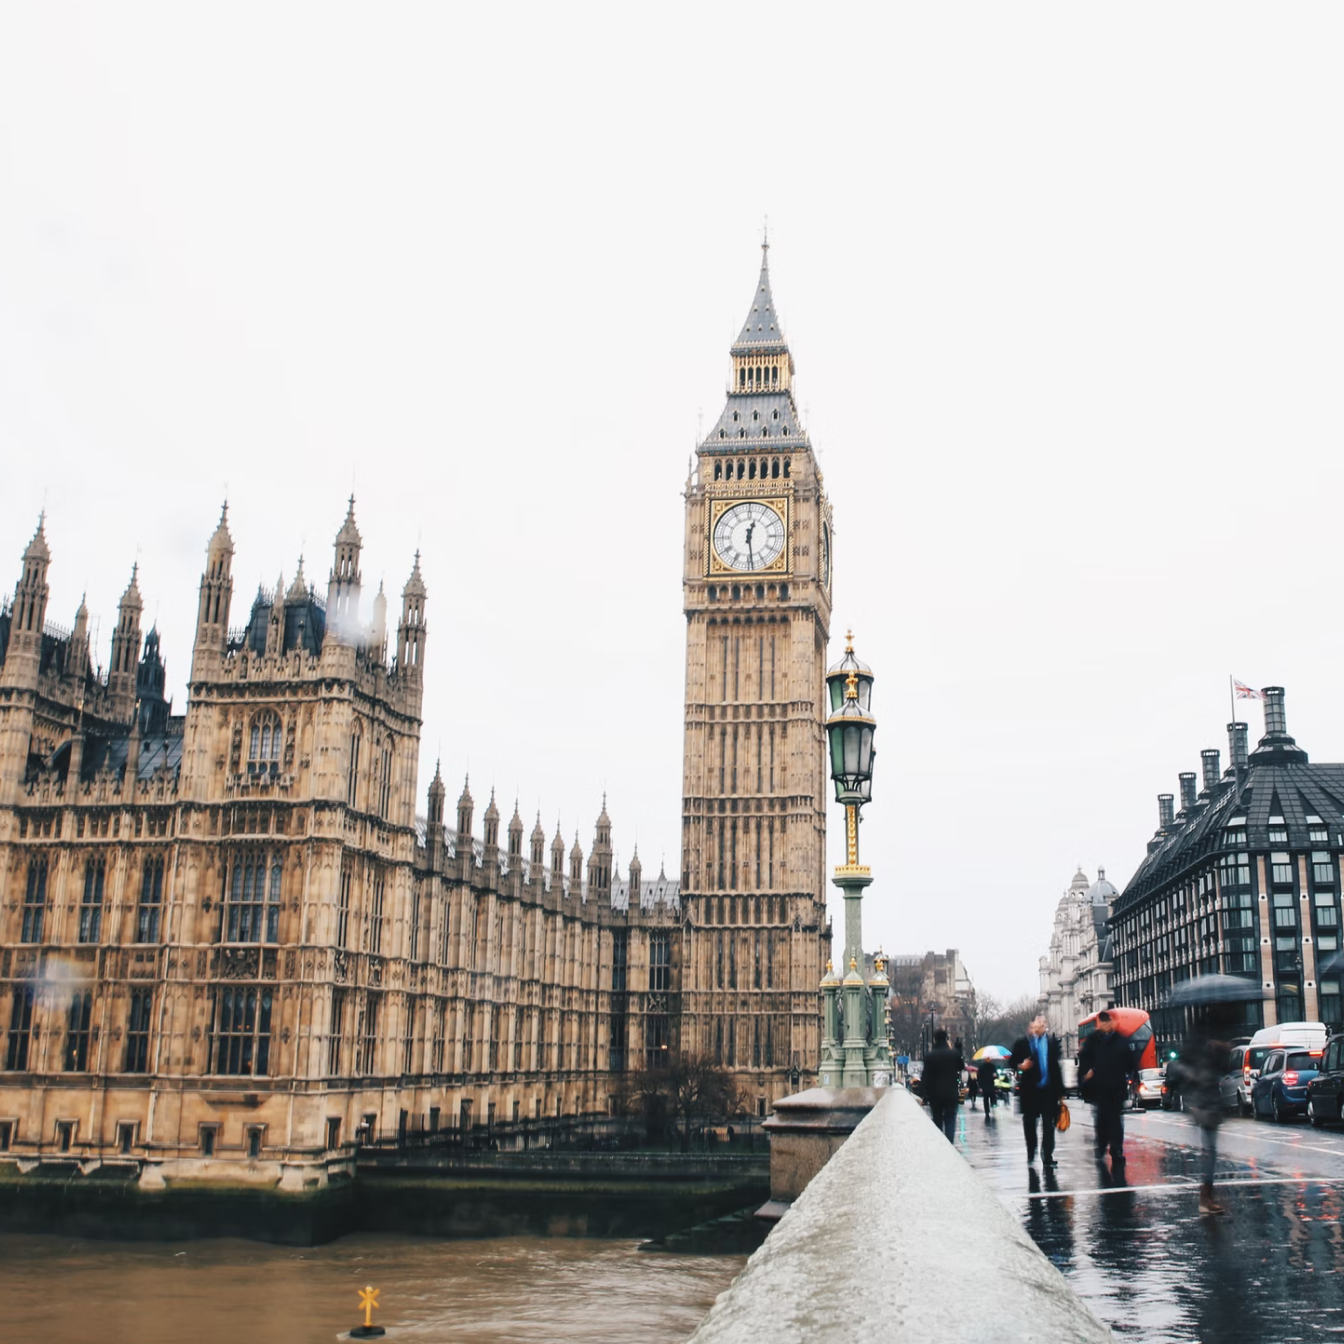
1040 1084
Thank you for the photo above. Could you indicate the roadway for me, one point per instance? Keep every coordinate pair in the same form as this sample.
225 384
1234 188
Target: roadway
1135 1247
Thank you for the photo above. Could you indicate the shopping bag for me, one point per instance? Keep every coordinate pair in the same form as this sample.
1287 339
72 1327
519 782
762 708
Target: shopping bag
1065 1120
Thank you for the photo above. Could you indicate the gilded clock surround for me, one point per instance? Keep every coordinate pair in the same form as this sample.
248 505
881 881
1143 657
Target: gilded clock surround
715 565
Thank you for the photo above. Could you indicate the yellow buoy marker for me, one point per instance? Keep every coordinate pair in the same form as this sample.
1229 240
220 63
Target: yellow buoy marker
368 1299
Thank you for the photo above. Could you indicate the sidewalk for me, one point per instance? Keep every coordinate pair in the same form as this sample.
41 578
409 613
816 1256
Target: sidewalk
1137 1250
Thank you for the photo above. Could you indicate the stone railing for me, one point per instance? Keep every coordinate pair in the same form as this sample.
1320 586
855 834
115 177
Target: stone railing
897 1238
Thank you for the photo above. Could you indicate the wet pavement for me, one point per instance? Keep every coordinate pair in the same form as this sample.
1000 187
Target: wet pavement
1135 1247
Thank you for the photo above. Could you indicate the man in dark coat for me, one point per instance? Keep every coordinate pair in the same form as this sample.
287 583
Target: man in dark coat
942 1078
1040 1086
985 1077
1105 1076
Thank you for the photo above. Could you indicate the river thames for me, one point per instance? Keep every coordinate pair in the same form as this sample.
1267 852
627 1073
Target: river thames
64 1290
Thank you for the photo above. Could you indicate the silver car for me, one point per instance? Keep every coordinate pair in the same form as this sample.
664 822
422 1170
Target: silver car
1243 1068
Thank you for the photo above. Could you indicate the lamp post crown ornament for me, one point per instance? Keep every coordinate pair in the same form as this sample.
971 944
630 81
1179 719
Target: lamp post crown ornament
852 687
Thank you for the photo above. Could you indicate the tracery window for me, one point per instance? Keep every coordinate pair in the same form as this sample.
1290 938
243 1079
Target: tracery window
77 1032
252 898
91 907
20 1030
263 744
242 1044
137 1031
151 902
34 901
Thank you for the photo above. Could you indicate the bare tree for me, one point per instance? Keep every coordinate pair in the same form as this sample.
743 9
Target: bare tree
908 1011
999 1023
689 1090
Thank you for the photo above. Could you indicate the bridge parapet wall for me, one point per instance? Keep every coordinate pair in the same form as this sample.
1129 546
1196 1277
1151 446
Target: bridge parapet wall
897 1238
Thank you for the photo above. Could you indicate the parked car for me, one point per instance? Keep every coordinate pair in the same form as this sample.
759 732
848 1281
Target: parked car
1148 1091
1281 1088
1325 1092
1243 1067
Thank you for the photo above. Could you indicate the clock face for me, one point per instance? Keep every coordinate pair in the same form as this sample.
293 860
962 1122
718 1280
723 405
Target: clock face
825 556
749 536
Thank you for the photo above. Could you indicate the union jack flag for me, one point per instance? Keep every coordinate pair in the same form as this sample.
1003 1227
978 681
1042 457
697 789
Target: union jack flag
1245 692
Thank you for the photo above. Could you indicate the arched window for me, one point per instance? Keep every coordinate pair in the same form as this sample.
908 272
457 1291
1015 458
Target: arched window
263 744
751 471
718 466
385 779
352 774
774 468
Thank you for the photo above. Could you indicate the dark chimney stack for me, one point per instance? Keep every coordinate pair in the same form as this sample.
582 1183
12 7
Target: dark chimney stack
1276 721
1211 759
1166 811
1187 782
1236 737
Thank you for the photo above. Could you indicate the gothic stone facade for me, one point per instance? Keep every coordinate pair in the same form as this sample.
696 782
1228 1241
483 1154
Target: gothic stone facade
228 946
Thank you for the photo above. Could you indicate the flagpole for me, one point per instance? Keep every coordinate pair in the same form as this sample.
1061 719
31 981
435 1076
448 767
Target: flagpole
1232 697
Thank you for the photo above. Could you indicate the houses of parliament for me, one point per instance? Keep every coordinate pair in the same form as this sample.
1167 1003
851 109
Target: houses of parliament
233 947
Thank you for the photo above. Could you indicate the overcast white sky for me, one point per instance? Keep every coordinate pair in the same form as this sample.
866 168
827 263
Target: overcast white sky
1063 284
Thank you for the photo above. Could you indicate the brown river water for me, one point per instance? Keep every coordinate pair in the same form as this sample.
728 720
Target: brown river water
60 1290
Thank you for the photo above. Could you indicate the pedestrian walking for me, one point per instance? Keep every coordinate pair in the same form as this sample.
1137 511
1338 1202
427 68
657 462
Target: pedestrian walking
942 1074
985 1074
1197 1070
1040 1086
1106 1073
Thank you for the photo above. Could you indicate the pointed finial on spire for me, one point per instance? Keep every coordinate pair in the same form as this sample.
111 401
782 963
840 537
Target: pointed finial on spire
849 641
37 548
765 240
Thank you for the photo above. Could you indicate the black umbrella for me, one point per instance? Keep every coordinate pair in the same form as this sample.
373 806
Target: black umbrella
1213 989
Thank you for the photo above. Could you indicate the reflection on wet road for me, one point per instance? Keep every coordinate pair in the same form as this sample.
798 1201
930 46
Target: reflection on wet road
1136 1248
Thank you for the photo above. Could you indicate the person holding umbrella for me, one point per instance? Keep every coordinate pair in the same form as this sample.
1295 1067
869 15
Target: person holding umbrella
1201 1061
986 1061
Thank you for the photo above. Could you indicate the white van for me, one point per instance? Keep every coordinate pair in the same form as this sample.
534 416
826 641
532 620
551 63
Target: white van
1304 1035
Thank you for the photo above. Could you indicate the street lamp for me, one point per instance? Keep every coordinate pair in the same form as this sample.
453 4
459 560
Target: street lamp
855 1052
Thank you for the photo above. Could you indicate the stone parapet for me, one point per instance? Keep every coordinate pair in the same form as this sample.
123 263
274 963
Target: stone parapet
891 1240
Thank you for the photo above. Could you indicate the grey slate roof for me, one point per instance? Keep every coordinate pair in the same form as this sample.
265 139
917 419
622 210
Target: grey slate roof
1293 789
761 330
766 434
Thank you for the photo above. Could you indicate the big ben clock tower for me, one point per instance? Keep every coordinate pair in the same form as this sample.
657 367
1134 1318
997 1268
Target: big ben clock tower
757 586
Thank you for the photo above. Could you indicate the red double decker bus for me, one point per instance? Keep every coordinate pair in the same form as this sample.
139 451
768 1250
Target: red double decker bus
1133 1025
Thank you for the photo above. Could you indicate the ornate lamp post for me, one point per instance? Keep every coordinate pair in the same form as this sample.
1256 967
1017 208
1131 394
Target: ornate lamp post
855 1051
